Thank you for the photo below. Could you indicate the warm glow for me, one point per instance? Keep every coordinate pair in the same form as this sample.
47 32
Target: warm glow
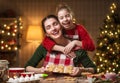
34 33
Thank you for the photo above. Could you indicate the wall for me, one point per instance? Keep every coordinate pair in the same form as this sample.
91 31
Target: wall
89 13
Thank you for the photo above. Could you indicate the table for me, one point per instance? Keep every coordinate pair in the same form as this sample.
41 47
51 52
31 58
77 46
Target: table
63 79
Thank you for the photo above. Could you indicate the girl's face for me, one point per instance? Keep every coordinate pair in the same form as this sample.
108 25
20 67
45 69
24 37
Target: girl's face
65 18
53 28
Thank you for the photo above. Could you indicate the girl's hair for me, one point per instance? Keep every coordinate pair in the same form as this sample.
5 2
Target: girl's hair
66 7
63 6
47 17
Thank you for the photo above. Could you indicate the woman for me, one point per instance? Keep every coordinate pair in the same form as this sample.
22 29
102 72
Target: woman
71 30
53 29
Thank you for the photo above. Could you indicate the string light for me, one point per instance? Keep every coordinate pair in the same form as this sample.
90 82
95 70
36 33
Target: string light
4 25
108 17
6 46
3 31
2 42
105 61
21 27
98 69
113 69
9 48
15 48
13 34
2 47
10 29
8 33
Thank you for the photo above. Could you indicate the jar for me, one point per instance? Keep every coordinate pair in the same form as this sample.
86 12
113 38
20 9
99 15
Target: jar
3 70
15 72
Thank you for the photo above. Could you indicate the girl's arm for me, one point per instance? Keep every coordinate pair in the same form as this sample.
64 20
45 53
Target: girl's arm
85 41
71 45
85 38
50 45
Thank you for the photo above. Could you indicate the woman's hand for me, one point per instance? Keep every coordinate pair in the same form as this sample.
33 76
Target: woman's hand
42 69
71 55
76 71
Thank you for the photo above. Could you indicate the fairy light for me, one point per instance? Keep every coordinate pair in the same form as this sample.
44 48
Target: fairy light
112 26
111 49
106 26
101 65
2 47
9 48
98 69
3 31
101 44
13 34
113 52
113 63
15 21
100 59
117 65
108 47
15 30
105 61
8 33
4 25
2 42
109 68
15 26
108 17
116 33
103 54
107 71
98 54
20 19
102 32
105 31
113 69
15 48
21 27
6 45
8 27
112 11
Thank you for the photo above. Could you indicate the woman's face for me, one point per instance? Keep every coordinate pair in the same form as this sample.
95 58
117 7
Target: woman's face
53 28
65 18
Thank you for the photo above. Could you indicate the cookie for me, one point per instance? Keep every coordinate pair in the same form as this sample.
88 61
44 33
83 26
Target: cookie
68 69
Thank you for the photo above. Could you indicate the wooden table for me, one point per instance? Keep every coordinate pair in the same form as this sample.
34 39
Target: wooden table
63 79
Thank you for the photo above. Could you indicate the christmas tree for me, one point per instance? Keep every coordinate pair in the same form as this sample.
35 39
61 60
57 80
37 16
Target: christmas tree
108 43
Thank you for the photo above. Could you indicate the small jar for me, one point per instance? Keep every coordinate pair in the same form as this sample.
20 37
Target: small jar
3 70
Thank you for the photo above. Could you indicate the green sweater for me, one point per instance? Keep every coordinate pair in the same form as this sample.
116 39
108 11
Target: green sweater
81 58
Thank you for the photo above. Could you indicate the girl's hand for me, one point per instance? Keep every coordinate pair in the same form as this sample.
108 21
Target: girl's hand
69 47
76 71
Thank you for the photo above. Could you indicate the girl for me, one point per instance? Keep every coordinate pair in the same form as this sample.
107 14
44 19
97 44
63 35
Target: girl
72 31
53 29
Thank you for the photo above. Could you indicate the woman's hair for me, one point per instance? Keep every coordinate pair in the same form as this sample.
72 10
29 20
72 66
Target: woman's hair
63 6
48 17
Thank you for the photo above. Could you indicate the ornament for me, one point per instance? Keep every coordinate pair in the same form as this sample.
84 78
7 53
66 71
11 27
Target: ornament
12 42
